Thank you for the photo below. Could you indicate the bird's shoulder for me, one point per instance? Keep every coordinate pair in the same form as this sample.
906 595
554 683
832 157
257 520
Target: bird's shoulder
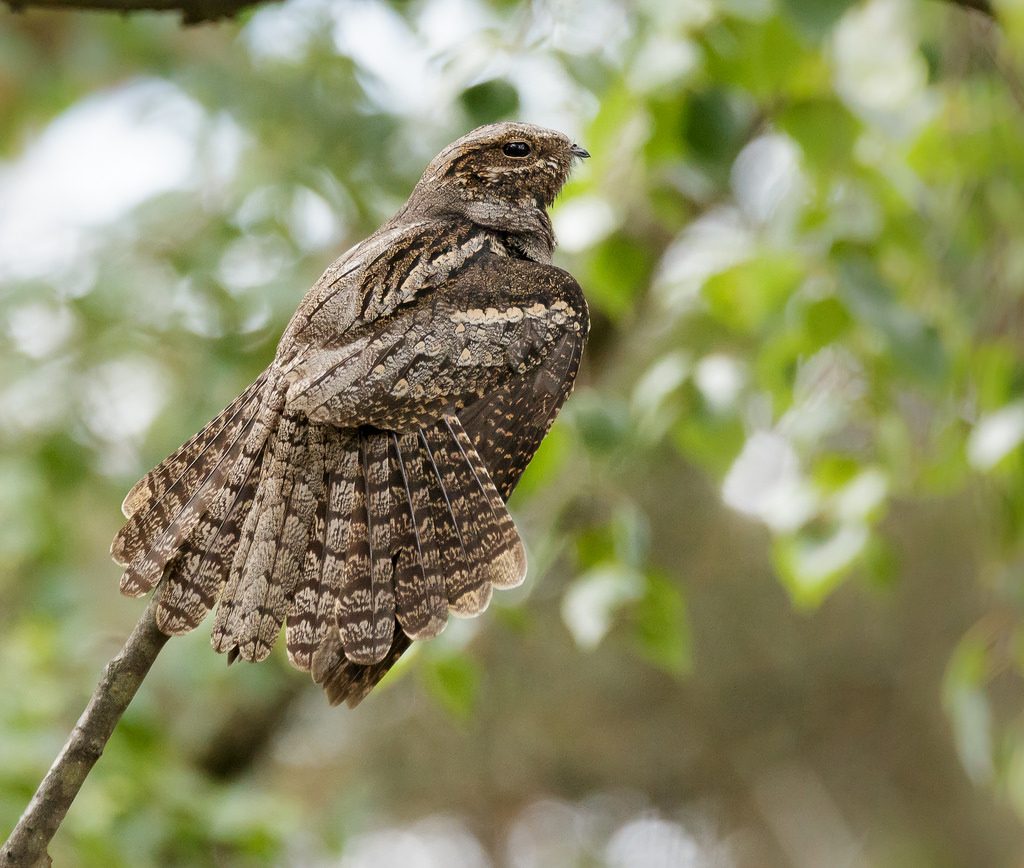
378 274
402 262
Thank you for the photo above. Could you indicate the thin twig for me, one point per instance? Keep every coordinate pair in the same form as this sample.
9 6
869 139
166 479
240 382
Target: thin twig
26 846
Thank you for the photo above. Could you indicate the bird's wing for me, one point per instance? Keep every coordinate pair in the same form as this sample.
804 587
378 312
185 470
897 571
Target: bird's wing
377 277
495 324
507 424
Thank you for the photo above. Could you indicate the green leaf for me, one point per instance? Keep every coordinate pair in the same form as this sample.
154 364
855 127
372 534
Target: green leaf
594 546
747 296
603 424
815 18
454 681
616 272
996 374
710 439
765 58
490 101
825 130
812 565
715 126
661 627
833 471
826 320
911 343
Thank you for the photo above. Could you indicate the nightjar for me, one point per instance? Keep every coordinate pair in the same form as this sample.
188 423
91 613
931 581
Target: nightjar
355 492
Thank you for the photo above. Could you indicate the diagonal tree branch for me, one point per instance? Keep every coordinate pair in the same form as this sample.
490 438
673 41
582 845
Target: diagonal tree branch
26 846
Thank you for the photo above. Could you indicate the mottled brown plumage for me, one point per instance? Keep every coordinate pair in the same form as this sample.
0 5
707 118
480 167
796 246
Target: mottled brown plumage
355 492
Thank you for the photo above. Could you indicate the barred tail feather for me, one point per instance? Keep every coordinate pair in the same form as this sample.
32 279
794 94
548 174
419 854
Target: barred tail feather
303 631
164 492
194 579
227 621
276 558
366 608
312 610
213 437
345 681
272 545
420 601
454 565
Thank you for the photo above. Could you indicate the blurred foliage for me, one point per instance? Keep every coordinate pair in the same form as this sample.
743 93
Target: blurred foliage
799 234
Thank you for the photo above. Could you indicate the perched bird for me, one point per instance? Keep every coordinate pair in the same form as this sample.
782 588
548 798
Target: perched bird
355 492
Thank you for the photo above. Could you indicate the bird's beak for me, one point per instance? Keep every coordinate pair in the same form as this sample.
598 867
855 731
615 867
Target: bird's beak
577 151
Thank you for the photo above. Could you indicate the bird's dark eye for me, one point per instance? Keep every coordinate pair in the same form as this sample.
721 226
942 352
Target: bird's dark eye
516 149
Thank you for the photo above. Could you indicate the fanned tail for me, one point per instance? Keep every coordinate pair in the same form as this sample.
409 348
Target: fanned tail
359 541
428 532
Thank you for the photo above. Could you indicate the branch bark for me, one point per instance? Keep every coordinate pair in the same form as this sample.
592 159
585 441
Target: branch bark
192 11
26 846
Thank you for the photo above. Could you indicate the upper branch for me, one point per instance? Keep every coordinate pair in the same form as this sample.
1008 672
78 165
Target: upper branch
192 11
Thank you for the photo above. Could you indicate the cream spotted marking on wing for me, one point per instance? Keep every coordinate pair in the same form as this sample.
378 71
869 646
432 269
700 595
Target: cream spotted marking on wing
560 312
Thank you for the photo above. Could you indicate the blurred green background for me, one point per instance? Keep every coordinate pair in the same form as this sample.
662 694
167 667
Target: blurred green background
774 615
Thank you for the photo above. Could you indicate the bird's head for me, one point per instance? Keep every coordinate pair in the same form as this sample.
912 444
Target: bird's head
501 175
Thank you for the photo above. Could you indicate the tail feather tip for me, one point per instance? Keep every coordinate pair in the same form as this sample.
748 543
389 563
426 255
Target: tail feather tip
509 569
473 602
135 498
132 586
431 630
